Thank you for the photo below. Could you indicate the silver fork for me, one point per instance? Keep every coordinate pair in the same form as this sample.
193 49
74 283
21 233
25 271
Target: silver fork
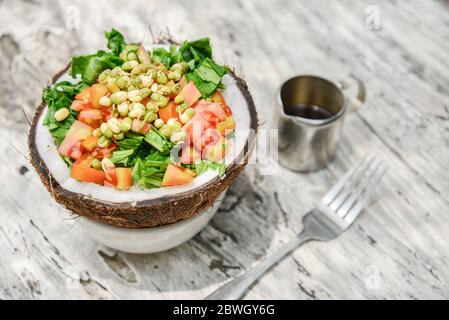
336 211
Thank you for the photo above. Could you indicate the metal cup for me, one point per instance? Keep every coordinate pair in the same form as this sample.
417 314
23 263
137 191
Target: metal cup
307 144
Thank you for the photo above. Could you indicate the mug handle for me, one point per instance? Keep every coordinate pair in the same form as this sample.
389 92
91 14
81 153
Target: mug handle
349 82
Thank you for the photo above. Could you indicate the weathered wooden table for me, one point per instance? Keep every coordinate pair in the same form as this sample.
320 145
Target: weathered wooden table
397 249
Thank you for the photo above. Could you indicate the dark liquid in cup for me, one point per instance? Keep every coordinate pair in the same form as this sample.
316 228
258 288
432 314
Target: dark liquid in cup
308 111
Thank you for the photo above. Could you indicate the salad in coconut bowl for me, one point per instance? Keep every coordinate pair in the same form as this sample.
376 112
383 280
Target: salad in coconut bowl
142 141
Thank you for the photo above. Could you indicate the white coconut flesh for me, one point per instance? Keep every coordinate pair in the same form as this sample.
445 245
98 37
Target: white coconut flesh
60 172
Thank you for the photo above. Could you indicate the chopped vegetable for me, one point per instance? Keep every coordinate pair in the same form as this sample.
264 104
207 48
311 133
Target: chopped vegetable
190 94
207 77
124 178
90 143
97 91
168 112
56 97
203 166
196 50
86 174
122 156
157 140
77 133
175 175
89 67
226 126
116 41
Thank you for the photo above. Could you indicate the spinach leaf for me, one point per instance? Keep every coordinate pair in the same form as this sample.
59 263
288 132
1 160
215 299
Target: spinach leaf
122 156
127 150
58 96
207 77
167 57
90 66
157 140
116 41
131 141
196 50
204 165
149 172
206 74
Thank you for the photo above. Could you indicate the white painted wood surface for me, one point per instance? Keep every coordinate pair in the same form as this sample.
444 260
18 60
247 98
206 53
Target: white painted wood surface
397 249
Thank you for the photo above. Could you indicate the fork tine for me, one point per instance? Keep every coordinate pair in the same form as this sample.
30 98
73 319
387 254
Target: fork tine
360 203
336 189
350 185
356 193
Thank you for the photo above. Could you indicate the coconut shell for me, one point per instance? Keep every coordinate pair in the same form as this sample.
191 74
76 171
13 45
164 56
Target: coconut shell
147 213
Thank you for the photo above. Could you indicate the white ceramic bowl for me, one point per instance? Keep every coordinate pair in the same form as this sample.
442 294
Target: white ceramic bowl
149 240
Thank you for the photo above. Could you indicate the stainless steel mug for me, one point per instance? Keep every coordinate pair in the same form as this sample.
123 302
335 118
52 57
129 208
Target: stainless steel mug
311 111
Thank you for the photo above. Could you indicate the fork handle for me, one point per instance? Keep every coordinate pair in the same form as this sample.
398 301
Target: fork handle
237 287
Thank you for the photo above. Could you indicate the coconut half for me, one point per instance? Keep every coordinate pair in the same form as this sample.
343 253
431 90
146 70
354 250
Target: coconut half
139 207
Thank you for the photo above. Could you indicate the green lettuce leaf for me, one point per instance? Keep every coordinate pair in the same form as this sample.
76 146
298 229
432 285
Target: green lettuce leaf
116 41
157 140
197 50
127 150
149 172
204 165
90 66
131 141
122 156
167 57
58 96
207 77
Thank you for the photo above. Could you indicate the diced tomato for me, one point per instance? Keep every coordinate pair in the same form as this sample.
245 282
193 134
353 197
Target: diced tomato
124 178
83 95
175 175
190 155
97 91
101 153
93 117
78 131
168 112
226 126
90 143
79 105
76 151
195 128
190 93
140 126
215 108
108 184
86 174
107 113
85 160
218 97
210 136
111 176
209 117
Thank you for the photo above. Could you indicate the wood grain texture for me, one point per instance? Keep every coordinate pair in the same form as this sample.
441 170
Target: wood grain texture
397 249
